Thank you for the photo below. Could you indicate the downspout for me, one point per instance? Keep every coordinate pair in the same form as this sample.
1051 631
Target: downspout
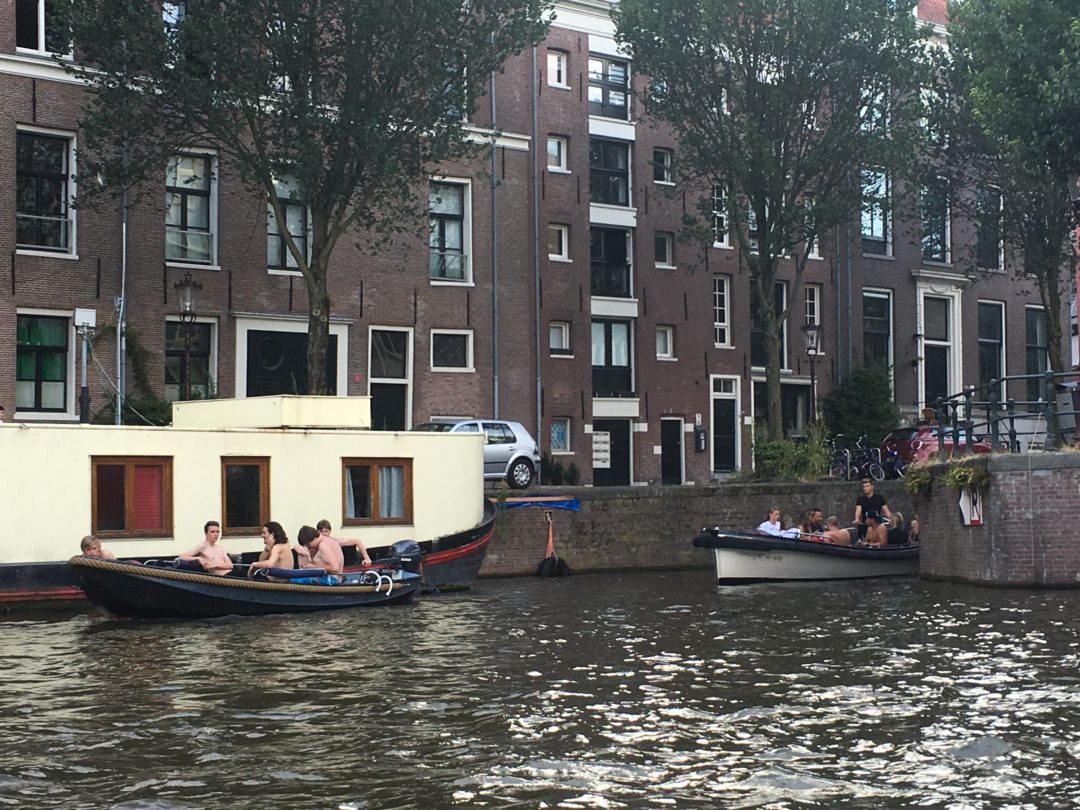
836 302
494 260
850 303
121 301
535 180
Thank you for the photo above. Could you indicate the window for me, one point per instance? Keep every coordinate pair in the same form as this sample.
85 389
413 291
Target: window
198 360
609 262
721 311
937 349
609 172
172 14
611 358
665 249
41 363
448 232
874 114
876 214
297 223
719 217
559 243
810 225
753 231
560 435
451 350
812 300
877 329
757 334
190 209
557 67
131 496
37 28
609 88
377 491
1037 345
665 343
43 169
663 166
559 338
988 228
245 495
935 221
991 346
557 147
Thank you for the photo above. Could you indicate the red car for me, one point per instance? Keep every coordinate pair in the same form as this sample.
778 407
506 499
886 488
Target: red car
920 443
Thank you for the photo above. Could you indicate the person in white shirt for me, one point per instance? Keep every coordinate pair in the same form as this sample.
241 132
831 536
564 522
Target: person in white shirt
771 526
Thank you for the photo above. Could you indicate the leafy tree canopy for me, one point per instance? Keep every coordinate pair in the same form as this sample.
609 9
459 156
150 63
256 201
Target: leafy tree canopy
862 406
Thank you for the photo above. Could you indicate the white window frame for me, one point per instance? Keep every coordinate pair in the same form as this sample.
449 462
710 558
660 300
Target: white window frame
288 324
212 361
812 302
668 165
564 351
563 451
68 414
72 249
720 215
669 333
41 35
564 147
736 394
214 227
564 238
812 251
884 215
1002 346
558 63
669 239
470 366
887 295
955 341
286 271
722 315
466 236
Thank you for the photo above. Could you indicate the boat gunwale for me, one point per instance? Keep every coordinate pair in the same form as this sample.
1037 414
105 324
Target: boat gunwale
717 539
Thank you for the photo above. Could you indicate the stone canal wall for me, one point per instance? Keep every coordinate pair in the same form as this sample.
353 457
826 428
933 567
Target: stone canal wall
651 527
1031 515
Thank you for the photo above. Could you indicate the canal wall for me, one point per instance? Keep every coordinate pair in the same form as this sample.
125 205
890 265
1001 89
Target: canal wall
619 528
1030 515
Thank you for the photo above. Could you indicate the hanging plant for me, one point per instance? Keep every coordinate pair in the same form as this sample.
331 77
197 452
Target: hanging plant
919 482
967 475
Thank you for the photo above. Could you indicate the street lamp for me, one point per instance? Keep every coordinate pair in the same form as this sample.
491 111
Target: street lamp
812 340
185 299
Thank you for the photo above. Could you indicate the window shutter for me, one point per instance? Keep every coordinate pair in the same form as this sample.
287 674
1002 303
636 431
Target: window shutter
147 506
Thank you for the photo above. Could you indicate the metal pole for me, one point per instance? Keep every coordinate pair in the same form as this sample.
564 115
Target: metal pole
185 378
813 390
84 391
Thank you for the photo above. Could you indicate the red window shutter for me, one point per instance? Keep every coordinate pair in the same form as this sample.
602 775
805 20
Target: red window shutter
148 513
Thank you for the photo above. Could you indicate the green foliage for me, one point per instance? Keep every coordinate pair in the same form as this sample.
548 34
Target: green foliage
555 473
775 101
919 481
967 475
141 406
792 459
862 405
573 475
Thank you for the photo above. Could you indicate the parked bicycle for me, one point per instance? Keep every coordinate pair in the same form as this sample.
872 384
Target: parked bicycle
851 464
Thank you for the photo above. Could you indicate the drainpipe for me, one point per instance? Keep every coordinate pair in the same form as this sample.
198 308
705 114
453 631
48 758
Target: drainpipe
121 301
535 179
494 260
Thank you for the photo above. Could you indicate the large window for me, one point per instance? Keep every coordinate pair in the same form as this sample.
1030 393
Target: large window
719 217
663 166
609 172
757 333
245 494
37 28
557 69
41 363
935 221
937 349
991 345
131 496
721 311
43 191
611 358
198 365
609 258
451 350
877 328
559 338
1037 346
988 253
297 224
377 491
876 213
609 88
190 209
812 301
448 236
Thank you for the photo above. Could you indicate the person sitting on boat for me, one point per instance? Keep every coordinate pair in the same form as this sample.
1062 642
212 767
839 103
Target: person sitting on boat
813 523
876 534
277 553
324 528
91 547
323 552
834 534
772 527
869 501
208 553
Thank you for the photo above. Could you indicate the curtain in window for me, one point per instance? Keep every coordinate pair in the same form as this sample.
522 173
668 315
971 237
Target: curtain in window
391 492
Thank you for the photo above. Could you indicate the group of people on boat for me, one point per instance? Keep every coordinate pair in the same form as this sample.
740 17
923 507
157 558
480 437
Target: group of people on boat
874 525
315 549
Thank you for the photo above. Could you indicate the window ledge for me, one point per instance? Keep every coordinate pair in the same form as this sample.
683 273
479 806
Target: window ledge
435 282
563 453
935 263
722 246
193 266
628 120
664 183
43 416
47 254
666 266
558 170
277 271
887 257
724 346
561 356
668 359
450 370
815 257
560 259
559 86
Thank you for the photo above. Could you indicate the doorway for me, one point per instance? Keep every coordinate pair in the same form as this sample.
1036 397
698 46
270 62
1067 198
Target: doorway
671 451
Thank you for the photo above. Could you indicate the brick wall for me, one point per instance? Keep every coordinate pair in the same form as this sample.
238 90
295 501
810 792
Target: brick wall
651 527
1021 542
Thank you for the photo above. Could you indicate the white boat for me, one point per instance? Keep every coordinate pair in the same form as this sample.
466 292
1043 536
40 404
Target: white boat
743 557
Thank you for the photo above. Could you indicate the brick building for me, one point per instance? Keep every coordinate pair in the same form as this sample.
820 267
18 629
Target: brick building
554 289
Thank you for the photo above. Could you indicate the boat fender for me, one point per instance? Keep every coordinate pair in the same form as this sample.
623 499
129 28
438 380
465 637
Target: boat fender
389 582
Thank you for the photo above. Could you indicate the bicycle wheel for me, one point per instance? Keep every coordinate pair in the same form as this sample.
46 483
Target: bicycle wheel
875 471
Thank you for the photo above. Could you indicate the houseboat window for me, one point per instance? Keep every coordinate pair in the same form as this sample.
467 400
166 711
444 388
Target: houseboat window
377 491
245 494
131 496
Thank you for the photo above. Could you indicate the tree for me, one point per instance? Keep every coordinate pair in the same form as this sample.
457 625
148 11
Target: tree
781 104
1014 77
347 104
862 406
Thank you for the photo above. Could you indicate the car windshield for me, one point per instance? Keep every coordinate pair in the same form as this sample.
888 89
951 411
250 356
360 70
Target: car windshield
435 427
902 435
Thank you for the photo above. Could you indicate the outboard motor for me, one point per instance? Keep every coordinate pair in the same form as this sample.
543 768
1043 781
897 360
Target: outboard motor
404 555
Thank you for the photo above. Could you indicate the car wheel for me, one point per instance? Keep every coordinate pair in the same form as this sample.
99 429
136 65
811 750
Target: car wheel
520 474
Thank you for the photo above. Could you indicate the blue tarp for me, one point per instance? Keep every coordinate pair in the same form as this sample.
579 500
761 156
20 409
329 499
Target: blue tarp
571 504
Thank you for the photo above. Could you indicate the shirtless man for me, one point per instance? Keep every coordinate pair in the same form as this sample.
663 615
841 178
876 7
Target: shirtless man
834 534
91 547
876 534
324 530
324 551
208 553
276 553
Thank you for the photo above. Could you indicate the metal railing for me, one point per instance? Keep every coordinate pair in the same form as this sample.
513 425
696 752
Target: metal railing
1011 425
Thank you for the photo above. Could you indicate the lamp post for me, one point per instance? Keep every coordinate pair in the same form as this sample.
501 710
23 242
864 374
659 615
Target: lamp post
812 340
185 299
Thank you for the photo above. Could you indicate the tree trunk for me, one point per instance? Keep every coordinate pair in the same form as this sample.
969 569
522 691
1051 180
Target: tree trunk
318 327
764 293
1050 292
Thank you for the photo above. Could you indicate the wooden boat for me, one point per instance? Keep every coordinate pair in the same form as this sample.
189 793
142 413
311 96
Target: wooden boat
743 557
131 589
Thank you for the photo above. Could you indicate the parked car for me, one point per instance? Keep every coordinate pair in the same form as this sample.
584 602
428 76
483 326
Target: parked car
510 452
920 443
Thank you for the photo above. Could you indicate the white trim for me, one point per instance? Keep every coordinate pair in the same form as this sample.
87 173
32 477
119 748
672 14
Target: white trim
670 331
953 294
470 364
72 250
32 65
612 129
215 331
407 380
215 229
619 308
569 451
587 16
616 216
466 229
247 323
564 329
505 140
216 268
47 254
669 238
616 408
69 413
736 395
564 57
606 46
564 230
43 35
564 153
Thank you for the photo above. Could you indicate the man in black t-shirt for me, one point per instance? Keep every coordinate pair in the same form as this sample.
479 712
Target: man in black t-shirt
869 501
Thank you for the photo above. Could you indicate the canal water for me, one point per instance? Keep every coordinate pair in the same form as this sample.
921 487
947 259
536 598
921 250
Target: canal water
605 691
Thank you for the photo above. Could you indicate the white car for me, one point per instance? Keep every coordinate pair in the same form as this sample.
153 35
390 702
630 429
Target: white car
510 452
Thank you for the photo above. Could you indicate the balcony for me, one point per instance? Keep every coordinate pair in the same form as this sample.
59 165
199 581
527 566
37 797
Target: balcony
611 280
612 381
445 265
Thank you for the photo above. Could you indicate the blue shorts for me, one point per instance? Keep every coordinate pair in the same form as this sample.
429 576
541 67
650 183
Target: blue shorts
328 579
